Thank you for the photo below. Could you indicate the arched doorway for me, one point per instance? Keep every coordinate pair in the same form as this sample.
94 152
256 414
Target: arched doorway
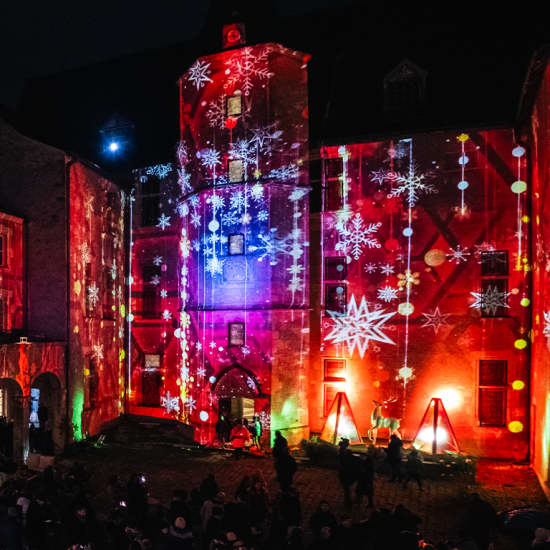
45 415
12 427
236 389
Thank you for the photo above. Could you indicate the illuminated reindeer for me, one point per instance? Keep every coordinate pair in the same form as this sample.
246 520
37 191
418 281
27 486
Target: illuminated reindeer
379 421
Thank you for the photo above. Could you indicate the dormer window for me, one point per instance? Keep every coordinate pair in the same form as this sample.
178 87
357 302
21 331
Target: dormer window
404 87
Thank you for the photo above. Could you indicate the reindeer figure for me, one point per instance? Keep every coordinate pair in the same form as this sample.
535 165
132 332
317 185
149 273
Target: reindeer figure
379 421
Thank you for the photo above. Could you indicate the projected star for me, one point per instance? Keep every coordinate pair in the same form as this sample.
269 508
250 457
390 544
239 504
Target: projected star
435 319
359 326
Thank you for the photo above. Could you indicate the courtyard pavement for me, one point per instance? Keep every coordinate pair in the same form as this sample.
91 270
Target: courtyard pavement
505 485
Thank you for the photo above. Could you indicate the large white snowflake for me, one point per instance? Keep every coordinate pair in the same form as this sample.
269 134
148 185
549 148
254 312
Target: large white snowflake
157 260
163 221
370 267
358 326
458 254
97 352
238 201
245 66
169 403
198 73
490 300
93 294
411 186
380 176
231 217
195 219
386 269
435 319
214 266
191 404
387 293
167 315
210 158
184 180
285 173
355 235
269 245
243 150
159 170
264 135
216 112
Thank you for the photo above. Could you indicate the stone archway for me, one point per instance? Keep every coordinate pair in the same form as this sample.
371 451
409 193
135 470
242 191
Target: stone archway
236 380
48 418
13 432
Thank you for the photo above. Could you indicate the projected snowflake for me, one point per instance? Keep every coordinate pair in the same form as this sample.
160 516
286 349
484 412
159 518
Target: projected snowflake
435 319
358 326
157 260
184 180
285 173
198 74
216 112
355 236
411 186
159 170
163 221
546 330
247 66
97 352
490 300
458 254
93 294
214 266
191 404
85 253
380 176
387 293
210 158
170 404
386 269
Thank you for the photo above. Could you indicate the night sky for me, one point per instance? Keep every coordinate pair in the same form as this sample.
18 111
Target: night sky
40 38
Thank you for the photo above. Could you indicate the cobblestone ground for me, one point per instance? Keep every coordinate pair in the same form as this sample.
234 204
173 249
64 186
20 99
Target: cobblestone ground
504 484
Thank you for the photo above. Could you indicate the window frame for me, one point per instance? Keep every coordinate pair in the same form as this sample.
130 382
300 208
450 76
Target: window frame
501 388
229 253
229 338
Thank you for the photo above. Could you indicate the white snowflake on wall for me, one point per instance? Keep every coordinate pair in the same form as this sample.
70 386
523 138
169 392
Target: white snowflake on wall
159 170
85 253
163 221
169 403
264 135
157 260
358 326
490 300
458 254
285 173
387 293
201 371
435 319
198 73
231 217
191 404
166 315
216 112
209 158
244 151
380 176
184 180
93 294
155 280
195 219
355 236
386 269
163 293
245 66
238 201
370 267
97 352
546 330
214 266
411 186
262 215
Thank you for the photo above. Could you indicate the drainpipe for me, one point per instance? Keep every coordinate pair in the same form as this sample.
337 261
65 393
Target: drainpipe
68 164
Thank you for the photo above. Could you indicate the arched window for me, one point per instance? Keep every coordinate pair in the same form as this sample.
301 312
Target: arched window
404 87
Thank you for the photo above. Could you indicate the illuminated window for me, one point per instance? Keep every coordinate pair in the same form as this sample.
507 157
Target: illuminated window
152 361
404 86
150 297
151 381
492 392
234 105
336 269
494 262
336 297
235 170
236 334
334 370
235 244
329 393
333 183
